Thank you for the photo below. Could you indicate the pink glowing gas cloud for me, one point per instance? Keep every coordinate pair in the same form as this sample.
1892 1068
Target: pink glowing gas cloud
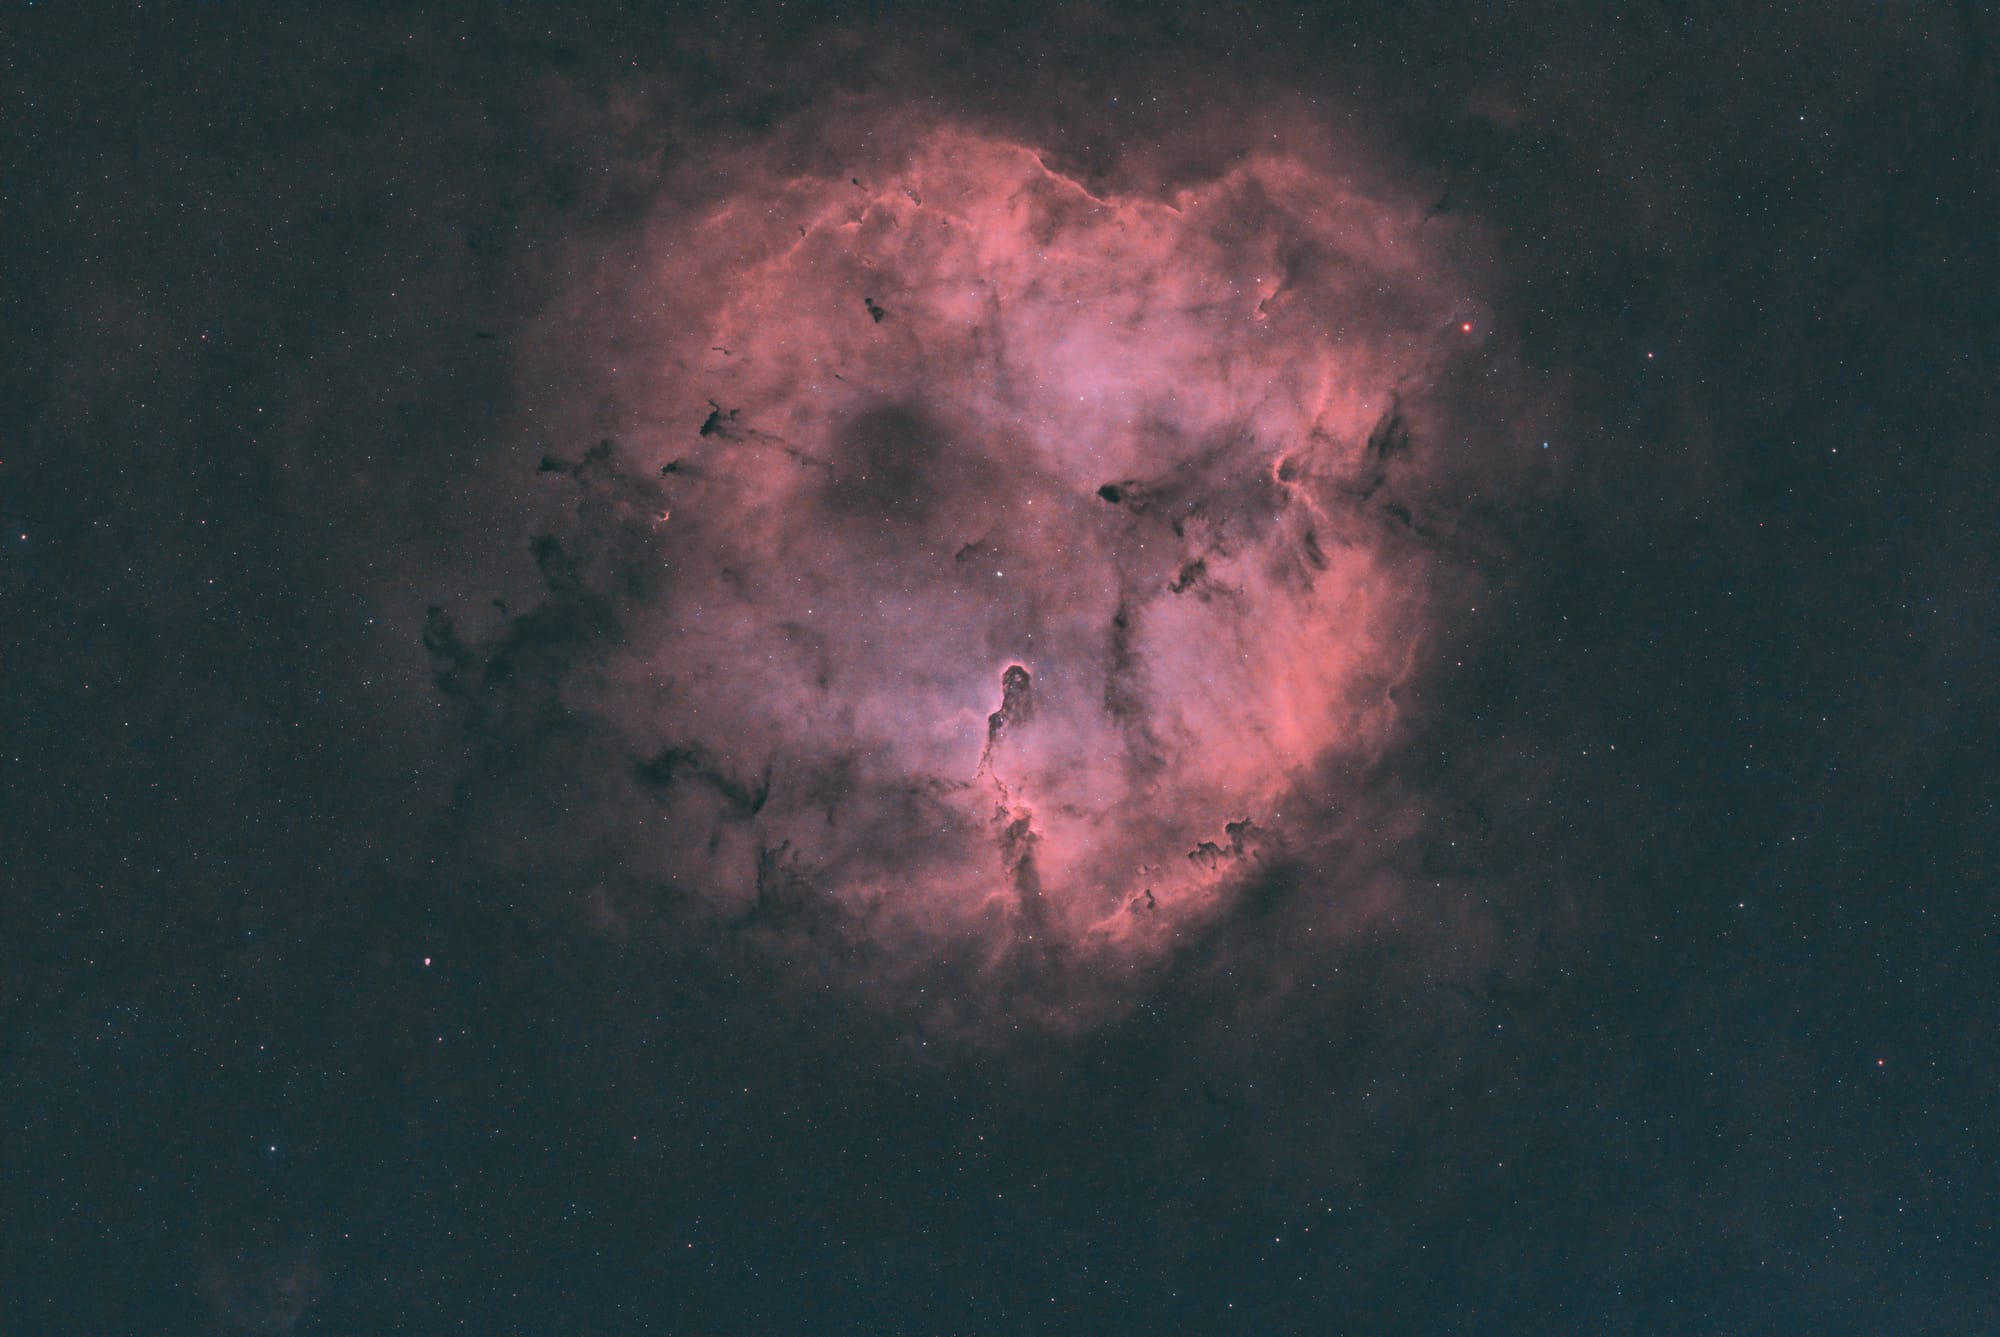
1017 560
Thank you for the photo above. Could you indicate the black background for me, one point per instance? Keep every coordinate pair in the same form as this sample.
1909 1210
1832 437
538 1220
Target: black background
262 269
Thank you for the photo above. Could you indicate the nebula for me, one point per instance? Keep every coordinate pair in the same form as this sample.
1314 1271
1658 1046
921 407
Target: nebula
980 563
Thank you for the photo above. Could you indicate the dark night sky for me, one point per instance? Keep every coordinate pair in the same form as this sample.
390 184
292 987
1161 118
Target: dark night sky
378 958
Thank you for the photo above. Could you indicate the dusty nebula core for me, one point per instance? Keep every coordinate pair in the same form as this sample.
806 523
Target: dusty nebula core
981 563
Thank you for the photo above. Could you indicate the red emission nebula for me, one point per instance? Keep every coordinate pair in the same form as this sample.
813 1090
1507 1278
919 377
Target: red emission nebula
1020 564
